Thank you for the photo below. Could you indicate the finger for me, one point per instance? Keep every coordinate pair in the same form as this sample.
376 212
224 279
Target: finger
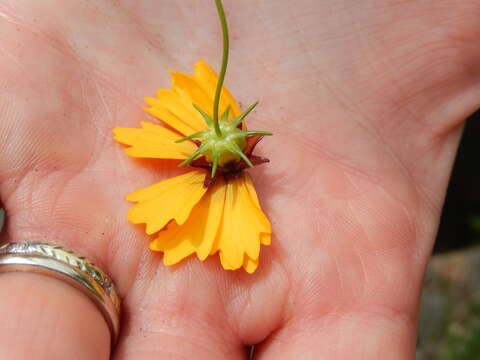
43 318
359 335
170 315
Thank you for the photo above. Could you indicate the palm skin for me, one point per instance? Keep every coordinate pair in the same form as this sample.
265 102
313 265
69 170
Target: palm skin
366 101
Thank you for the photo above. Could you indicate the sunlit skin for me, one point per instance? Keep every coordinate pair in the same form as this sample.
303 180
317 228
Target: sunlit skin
366 100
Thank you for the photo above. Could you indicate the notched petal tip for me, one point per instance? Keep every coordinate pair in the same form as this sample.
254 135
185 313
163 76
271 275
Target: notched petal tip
171 199
243 225
249 265
198 233
266 239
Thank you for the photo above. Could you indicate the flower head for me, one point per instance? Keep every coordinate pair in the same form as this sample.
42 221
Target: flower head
200 212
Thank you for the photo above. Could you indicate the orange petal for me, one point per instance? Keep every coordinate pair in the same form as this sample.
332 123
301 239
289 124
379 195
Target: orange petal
207 78
173 109
243 226
198 233
171 199
153 141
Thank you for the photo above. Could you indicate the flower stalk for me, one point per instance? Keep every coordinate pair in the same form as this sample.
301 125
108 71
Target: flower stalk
223 69
223 141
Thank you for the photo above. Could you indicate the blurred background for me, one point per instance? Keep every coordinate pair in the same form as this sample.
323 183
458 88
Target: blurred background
450 308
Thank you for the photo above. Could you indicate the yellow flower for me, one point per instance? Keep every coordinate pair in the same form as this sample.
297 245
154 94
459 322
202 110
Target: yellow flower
187 216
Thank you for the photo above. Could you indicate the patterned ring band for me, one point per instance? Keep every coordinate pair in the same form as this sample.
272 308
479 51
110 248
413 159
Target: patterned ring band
55 261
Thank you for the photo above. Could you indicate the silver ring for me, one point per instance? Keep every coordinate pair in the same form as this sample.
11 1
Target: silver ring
59 263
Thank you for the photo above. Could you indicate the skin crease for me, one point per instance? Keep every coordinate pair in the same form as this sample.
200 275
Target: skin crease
366 100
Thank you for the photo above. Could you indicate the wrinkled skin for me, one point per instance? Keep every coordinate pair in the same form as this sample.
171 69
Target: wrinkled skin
366 100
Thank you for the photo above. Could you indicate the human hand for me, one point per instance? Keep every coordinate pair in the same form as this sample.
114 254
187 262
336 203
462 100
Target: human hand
366 100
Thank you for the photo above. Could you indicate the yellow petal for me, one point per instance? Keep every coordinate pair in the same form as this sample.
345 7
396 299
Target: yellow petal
192 91
207 78
171 199
265 238
243 226
198 233
175 106
250 265
173 109
153 141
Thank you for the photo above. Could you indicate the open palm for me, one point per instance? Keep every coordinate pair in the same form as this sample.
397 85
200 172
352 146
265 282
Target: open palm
366 101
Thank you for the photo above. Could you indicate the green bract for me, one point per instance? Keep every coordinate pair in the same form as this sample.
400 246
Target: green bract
224 146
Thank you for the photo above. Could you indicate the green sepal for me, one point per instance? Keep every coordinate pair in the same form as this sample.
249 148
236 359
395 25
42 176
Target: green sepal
224 117
208 119
245 133
255 132
216 158
197 153
190 137
236 150
242 116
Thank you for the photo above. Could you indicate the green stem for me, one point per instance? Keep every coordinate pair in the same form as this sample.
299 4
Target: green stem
223 70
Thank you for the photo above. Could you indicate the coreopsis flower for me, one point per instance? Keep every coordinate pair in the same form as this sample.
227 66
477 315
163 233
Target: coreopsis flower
213 208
